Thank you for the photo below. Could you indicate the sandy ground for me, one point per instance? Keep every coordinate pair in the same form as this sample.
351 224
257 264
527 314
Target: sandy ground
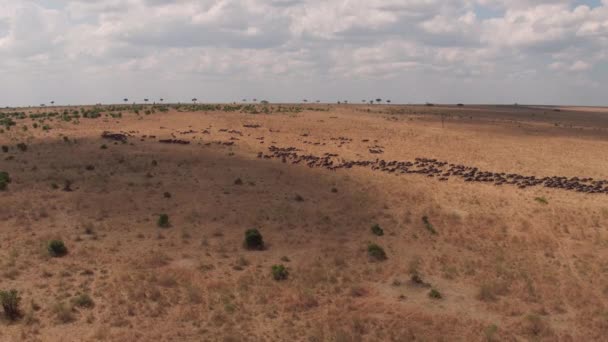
510 264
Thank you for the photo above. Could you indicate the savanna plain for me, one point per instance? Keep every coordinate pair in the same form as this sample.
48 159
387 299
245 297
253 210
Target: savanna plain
303 222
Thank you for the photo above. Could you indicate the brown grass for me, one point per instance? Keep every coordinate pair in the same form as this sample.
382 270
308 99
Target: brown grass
508 267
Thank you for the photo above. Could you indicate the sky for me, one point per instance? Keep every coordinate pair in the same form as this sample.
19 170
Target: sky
408 51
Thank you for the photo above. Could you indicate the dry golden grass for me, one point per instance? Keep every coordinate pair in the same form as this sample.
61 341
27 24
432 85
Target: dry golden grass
508 267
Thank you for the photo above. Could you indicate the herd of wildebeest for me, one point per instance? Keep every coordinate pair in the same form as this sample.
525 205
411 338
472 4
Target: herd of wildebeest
440 170
432 168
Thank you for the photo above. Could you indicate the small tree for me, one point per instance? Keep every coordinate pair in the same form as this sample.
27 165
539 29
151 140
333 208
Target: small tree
194 100
378 100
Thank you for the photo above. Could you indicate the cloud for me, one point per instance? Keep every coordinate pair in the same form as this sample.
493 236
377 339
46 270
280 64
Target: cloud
286 46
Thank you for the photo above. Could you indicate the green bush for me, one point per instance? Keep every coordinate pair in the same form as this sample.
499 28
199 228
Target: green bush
57 248
279 272
377 230
254 240
435 294
10 303
376 252
4 148
163 221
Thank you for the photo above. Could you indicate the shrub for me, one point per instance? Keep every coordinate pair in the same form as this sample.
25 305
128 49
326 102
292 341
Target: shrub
541 200
84 301
10 304
377 230
279 272
57 248
104 147
4 180
167 194
4 148
163 221
254 240
22 147
435 294
428 225
376 252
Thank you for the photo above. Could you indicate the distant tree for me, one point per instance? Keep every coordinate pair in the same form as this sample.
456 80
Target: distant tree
371 101
255 100
126 100
346 101
146 100
305 100
378 100
52 103
363 101
244 100
318 101
194 100
388 101
161 99
339 102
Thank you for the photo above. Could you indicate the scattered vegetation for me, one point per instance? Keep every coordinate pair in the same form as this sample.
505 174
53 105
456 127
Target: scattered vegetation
254 240
376 252
22 147
163 221
10 301
4 180
541 200
57 248
279 272
434 294
83 301
377 230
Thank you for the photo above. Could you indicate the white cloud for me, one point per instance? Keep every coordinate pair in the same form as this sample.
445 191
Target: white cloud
282 43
